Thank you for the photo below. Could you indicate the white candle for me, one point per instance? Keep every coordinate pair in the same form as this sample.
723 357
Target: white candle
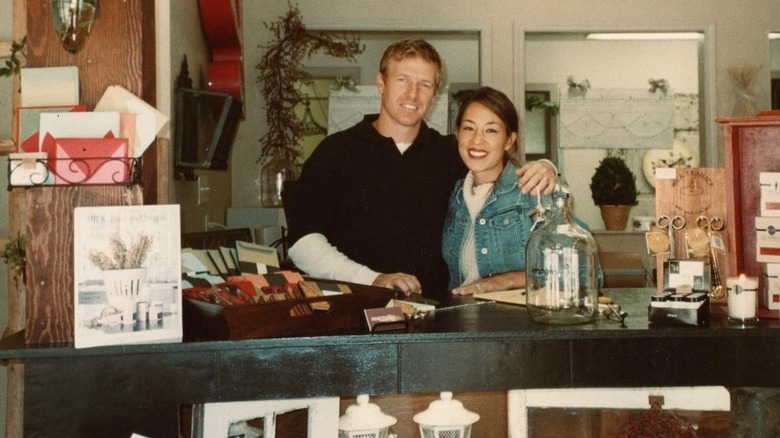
742 297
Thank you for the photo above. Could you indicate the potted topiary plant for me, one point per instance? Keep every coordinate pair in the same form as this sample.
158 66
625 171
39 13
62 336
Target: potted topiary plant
613 188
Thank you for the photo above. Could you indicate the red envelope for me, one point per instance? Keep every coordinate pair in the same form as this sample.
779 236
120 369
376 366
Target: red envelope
49 146
91 160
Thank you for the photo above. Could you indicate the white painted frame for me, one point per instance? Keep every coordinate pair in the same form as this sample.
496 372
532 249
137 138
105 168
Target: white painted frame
710 153
323 415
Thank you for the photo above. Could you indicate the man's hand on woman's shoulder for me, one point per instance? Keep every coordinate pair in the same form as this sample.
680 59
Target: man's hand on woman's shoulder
535 176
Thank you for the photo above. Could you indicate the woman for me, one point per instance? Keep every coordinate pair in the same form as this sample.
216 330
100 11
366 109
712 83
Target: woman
489 218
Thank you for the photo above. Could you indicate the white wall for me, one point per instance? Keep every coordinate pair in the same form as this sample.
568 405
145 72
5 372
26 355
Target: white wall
184 37
614 64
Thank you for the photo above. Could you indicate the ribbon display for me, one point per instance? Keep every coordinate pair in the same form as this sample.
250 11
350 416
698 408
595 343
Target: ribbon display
577 89
344 82
658 84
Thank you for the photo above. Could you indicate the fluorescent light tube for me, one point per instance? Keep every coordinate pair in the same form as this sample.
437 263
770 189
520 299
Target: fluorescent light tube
618 36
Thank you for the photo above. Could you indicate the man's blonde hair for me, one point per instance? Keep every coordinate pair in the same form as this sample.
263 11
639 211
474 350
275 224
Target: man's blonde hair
411 48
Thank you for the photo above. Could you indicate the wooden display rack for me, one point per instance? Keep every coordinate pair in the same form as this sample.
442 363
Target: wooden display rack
691 193
207 321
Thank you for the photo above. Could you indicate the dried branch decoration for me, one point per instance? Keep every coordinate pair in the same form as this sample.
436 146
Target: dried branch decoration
280 68
121 256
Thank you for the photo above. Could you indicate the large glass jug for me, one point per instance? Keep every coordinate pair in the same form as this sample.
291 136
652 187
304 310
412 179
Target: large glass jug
562 268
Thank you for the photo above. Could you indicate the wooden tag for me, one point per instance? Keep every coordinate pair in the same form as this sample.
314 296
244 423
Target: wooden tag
690 193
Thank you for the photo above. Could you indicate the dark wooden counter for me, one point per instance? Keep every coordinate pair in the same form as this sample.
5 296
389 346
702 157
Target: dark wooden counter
112 391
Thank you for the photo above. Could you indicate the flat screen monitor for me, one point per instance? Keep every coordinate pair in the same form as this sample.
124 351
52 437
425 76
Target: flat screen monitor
206 125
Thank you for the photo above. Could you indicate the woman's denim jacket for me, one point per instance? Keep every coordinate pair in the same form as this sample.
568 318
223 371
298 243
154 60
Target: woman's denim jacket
502 228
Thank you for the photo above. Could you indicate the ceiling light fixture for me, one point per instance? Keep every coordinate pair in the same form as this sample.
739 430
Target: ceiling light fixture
625 36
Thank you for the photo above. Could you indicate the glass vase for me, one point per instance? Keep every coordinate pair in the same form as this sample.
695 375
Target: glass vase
73 21
562 268
280 168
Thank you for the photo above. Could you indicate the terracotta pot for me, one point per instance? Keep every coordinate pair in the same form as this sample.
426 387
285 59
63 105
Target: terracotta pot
615 216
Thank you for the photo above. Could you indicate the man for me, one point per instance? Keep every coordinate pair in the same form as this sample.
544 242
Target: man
372 199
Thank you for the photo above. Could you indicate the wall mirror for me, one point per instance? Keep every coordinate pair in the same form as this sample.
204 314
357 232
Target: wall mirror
540 136
684 60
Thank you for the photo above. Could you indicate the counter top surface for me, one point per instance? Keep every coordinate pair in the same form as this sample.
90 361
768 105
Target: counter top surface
475 347
461 319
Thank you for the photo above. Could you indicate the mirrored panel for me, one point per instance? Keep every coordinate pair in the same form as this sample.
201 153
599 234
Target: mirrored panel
651 67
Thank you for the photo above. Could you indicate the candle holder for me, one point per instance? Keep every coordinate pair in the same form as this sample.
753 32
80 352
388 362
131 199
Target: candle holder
73 21
742 299
364 420
446 418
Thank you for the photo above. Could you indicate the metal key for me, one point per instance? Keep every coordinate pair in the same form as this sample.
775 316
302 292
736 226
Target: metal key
713 224
671 224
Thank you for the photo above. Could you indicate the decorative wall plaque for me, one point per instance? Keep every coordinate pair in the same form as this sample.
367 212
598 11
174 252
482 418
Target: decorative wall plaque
617 118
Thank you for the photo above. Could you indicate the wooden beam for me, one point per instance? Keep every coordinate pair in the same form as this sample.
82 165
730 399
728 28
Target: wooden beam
6 146
14 400
5 49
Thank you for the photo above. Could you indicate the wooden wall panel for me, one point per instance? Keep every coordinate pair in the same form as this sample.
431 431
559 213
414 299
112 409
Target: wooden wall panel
112 55
49 233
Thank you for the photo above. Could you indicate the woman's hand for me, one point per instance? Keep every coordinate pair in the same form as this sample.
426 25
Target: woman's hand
536 176
406 283
494 283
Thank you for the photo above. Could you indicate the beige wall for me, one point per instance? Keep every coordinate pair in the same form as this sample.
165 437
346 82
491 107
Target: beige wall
740 39
184 37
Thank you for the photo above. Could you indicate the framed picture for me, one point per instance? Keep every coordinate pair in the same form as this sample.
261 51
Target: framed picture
127 275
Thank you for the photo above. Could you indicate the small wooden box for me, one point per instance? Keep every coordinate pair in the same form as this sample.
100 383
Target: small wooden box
207 321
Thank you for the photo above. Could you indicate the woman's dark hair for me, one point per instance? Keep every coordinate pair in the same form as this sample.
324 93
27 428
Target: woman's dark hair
499 104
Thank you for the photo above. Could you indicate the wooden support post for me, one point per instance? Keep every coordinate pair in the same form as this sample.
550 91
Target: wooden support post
14 401
120 51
